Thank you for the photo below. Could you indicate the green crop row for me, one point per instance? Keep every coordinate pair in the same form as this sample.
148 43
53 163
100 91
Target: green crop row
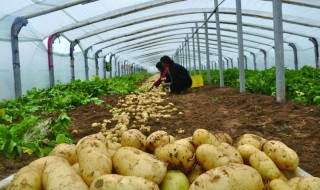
23 130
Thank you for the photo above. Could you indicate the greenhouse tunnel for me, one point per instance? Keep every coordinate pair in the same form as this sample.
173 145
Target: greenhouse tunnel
86 69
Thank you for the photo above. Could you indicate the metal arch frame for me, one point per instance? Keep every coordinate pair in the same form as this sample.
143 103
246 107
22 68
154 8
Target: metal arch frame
110 60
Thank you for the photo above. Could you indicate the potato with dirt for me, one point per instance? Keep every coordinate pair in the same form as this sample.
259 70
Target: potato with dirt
175 180
27 178
157 139
94 158
284 157
67 151
224 137
305 183
196 171
246 150
278 184
229 177
129 161
252 139
134 138
203 136
186 142
118 182
61 175
178 156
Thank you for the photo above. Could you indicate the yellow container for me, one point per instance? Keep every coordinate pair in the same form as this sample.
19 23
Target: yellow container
197 81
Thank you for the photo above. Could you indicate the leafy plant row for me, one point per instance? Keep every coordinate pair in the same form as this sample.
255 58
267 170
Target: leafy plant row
301 85
23 130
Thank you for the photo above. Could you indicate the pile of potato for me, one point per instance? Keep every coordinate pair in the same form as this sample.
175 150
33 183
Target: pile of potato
204 161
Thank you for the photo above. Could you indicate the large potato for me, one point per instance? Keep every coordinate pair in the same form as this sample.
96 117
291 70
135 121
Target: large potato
134 138
175 180
186 142
246 150
195 173
94 159
284 157
27 178
202 136
252 139
224 137
60 175
130 161
178 156
264 165
232 152
41 163
118 182
66 151
309 183
229 177
157 139
278 184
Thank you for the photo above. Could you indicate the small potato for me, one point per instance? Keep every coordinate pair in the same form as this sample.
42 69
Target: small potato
130 161
278 184
195 173
264 165
134 138
27 178
224 137
60 175
157 139
175 180
229 177
284 157
309 183
202 136
252 139
232 152
246 150
118 182
178 156
66 151
186 142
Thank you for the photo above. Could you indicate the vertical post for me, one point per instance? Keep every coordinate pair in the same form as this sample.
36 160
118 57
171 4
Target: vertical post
207 49
264 58
295 55
17 24
189 57
110 61
231 61
119 68
194 53
186 54
182 53
51 40
219 44
240 47
254 61
86 67
245 62
104 67
72 45
316 50
279 51
215 65
198 47
178 55
97 61
227 61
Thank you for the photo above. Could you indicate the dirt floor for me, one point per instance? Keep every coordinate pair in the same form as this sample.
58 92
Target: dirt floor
216 109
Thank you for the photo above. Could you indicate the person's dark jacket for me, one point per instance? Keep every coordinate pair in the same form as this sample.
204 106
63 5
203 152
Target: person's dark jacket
180 78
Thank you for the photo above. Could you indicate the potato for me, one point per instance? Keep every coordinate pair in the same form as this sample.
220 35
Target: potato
178 156
187 142
76 168
232 152
175 180
130 161
134 138
118 182
229 177
224 137
66 151
278 184
264 165
252 139
309 183
27 178
284 157
246 150
210 156
202 136
42 162
60 175
157 139
195 172
94 159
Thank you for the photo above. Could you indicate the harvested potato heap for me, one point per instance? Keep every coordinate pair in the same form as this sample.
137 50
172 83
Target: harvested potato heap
123 158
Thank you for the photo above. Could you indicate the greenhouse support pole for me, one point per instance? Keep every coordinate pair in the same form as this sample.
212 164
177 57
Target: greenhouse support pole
207 49
219 43
182 53
227 61
16 26
212 65
86 67
240 47
119 68
316 50
194 53
189 59
279 51
295 55
198 47
245 62
264 58
186 54
96 56
231 61
71 54
254 61
104 67
178 55
51 40
110 61
215 65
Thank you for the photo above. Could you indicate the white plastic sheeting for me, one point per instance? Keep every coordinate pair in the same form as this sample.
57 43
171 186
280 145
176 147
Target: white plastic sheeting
140 32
